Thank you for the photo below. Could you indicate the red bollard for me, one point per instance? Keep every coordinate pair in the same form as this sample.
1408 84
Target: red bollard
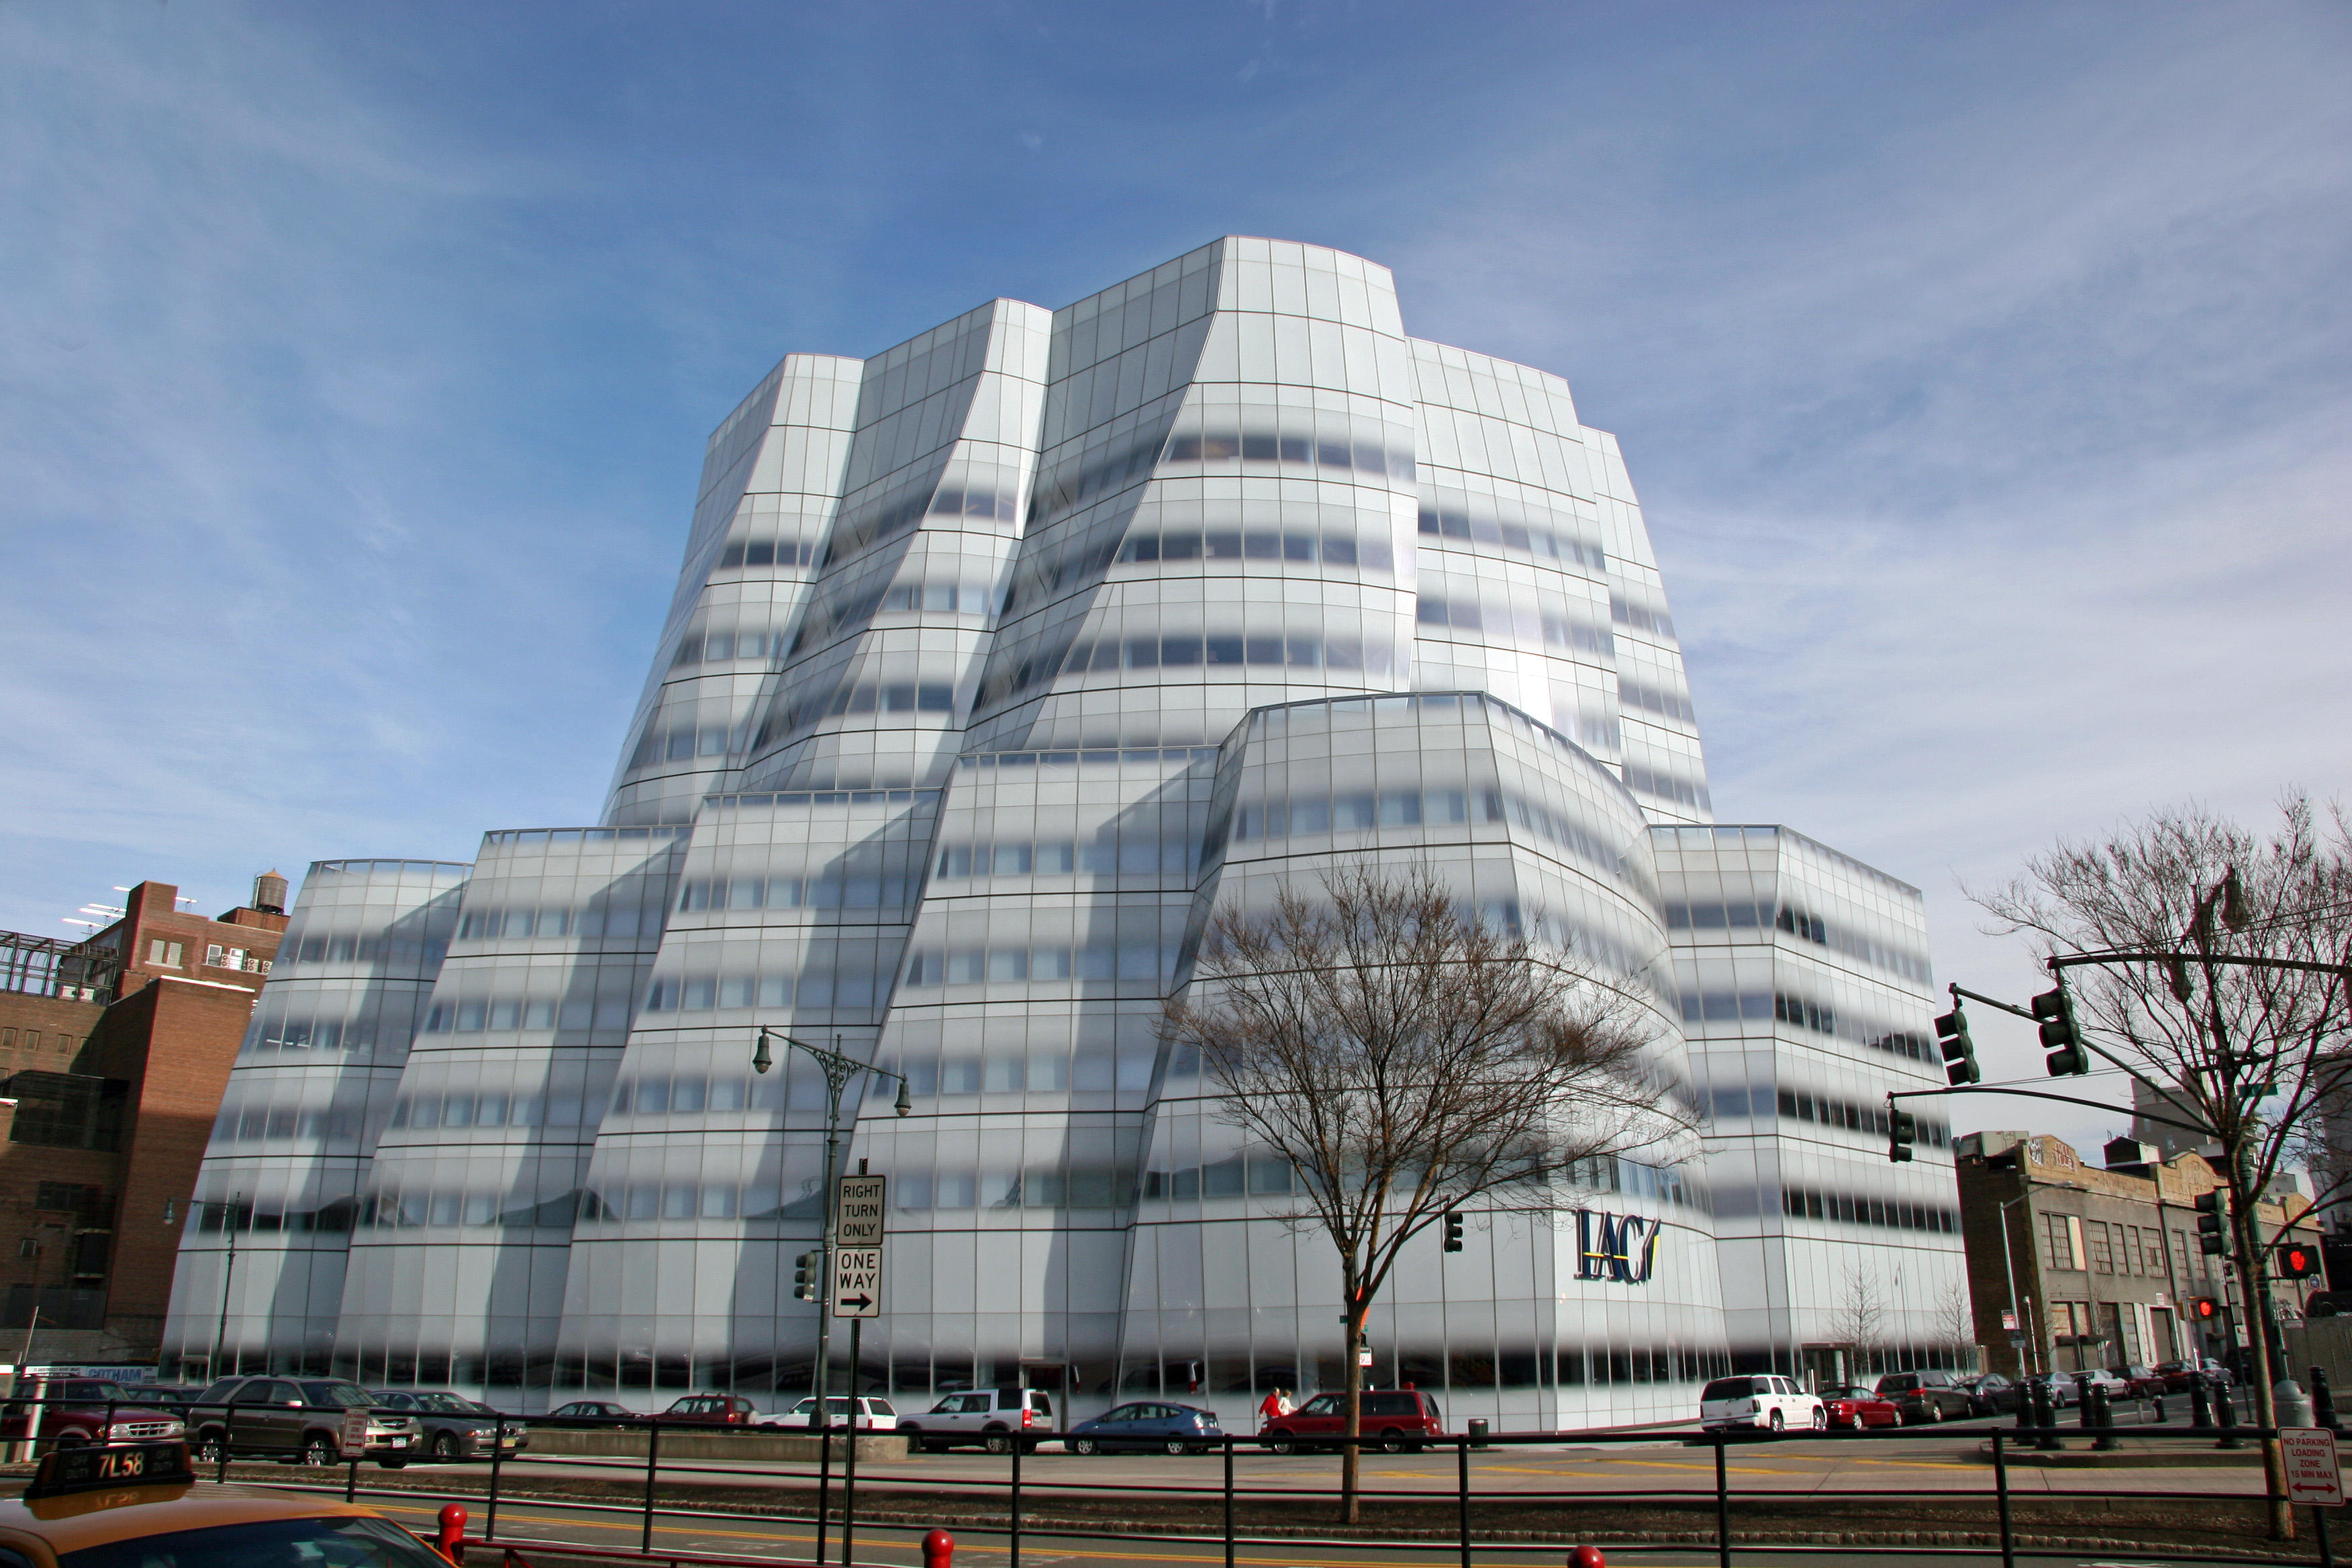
938 1549
1587 1557
451 1540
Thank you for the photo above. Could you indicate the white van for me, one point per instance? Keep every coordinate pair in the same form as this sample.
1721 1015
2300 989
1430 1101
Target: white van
1772 1403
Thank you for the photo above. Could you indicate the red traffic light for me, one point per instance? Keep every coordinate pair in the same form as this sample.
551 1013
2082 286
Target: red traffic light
2204 1309
2296 1261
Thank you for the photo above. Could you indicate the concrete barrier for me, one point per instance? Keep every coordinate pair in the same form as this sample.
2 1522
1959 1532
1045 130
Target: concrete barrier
684 1445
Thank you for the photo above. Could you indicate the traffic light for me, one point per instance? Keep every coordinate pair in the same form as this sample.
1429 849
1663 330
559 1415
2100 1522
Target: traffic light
1453 1231
2295 1261
1959 1051
2061 1036
2204 1309
1902 1130
2212 1233
807 1270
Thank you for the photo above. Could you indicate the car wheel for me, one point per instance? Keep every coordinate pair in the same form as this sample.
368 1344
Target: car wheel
445 1448
1934 1410
1392 1441
317 1450
209 1449
1778 1422
1175 1445
998 1443
1280 1446
1085 1445
1820 1419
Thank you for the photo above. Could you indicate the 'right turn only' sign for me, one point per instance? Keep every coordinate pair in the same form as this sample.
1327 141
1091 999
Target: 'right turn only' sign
2314 1479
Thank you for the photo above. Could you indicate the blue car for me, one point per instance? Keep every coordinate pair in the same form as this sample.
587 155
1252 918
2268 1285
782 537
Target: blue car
1145 1424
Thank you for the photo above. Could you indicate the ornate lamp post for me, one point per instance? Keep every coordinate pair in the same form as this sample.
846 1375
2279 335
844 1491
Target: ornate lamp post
838 1071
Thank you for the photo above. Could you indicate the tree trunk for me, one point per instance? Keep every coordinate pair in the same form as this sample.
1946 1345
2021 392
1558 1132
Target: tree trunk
1351 1453
2251 1289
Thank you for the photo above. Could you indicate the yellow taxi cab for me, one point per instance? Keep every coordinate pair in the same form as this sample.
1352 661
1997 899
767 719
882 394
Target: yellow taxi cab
138 1505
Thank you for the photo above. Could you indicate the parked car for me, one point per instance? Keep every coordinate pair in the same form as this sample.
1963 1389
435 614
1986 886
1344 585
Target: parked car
2179 1374
1145 1424
1924 1395
2099 1377
75 1411
452 1427
989 1416
2143 1382
720 1410
297 1419
586 1410
1765 1403
1398 1419
2060 1386
175 1397
875 1413
1850 1405
1990 1393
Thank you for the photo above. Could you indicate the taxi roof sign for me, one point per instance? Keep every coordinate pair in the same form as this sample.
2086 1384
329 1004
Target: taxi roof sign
92 1467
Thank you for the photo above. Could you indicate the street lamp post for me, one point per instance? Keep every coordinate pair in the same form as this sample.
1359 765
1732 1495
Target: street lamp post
2008 1267
228 1270
838 1071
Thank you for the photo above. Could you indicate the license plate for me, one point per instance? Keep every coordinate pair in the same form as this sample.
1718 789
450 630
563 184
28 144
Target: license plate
400 1442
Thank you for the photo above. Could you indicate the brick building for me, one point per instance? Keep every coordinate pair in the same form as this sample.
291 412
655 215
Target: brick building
115 1052
2101 1267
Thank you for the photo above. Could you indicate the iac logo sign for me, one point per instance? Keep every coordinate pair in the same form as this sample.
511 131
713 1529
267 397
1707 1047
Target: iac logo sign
1616 1247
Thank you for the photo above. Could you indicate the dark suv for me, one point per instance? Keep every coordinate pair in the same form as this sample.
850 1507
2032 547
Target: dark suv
1924 1395
297 1419
1398 1419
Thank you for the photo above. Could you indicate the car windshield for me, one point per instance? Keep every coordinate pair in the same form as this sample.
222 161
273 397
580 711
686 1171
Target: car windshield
352 1542
447 1405
1322 1404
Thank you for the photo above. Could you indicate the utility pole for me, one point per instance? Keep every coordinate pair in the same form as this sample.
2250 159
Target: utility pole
838 1071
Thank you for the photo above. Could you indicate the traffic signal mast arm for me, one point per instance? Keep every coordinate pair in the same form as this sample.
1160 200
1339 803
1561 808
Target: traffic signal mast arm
2041 1094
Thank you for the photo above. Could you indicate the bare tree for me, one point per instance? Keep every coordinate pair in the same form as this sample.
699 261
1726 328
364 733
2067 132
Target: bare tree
2233 1017
1955 1318
1406 1060
1859 1321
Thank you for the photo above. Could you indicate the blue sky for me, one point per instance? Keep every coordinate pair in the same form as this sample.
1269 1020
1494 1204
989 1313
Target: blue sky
1983 368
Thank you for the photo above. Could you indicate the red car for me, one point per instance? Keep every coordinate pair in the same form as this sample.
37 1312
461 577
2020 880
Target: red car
1397 1420
719 1410
1847 1404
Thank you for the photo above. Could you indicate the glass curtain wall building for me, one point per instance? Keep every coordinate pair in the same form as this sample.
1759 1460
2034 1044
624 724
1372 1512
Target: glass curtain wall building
998 663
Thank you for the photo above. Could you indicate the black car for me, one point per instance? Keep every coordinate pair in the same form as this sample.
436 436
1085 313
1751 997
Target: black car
1990 1393
585 1412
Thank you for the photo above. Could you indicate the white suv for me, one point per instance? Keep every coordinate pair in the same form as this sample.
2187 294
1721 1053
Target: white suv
1773 1403
995 1419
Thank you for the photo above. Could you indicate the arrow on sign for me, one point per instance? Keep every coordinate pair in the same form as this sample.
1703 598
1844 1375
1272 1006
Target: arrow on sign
857 1304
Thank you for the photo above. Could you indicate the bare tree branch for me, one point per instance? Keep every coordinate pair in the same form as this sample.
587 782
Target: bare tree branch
1405 1060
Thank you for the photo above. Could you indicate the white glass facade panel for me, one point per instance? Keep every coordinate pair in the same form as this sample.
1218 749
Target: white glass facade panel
996 663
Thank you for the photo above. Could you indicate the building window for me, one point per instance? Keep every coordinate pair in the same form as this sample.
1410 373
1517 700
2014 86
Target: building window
2062 1235
163 954
2102 1259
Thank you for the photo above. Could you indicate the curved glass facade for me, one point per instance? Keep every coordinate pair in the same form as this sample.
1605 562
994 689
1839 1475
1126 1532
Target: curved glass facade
997 663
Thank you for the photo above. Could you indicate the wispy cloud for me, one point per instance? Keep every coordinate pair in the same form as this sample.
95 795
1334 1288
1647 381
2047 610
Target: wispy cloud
1983 368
